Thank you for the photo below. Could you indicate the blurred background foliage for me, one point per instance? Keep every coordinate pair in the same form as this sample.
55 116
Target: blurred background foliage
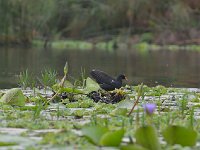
22 21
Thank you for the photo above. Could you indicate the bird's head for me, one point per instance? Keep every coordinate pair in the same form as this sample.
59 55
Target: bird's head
121 77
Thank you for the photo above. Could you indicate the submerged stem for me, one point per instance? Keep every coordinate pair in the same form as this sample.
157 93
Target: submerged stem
61 84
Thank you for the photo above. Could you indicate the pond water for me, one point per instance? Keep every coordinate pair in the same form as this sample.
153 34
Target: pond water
164 67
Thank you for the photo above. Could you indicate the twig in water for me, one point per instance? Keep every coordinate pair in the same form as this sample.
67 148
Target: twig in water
138 97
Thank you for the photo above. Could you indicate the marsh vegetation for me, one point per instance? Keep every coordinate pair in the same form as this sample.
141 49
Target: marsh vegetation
151 118
155 42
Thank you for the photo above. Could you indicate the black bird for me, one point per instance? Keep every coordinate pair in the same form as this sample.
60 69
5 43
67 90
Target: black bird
107 82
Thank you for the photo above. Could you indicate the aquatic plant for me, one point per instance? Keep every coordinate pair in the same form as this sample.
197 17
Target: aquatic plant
48 78
149 108
101 136
26 79
174 134
41 103
140 92
13 97
82 118
147 137
60 85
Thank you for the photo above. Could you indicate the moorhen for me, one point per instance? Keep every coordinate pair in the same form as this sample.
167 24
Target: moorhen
107 82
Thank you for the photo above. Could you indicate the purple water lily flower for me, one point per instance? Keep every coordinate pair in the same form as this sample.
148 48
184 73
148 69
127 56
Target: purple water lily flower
149 108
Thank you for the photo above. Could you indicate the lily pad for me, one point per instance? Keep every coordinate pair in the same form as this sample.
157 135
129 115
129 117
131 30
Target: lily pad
146 136
14 97
7 143
132 147
94 133
101 136
112 138
180 135
78 113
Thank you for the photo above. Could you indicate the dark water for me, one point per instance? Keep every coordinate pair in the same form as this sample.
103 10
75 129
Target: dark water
169 68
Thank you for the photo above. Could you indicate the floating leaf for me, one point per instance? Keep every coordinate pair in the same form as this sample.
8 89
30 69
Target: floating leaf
91 85
7 143
146 136
180 135
101 136
132 147
94 133
112 138
73 105
14 97
71 90
78 113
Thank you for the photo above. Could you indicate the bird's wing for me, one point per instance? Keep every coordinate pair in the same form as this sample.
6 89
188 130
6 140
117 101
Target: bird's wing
101 77
107 87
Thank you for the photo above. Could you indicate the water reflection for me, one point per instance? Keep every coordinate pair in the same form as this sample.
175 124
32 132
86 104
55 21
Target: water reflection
169 68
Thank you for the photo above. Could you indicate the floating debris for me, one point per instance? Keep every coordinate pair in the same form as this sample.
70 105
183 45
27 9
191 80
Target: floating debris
108 97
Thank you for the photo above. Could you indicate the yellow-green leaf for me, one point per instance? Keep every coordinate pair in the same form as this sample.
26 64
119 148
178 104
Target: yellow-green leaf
14 97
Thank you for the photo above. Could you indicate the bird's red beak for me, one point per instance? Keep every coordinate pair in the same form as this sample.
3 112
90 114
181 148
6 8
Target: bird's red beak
126 78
